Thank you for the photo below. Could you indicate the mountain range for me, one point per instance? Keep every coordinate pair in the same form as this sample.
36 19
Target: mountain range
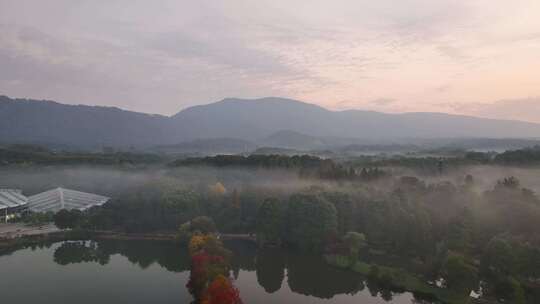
271 121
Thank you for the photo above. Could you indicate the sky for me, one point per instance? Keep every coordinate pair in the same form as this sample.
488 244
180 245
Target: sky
474 57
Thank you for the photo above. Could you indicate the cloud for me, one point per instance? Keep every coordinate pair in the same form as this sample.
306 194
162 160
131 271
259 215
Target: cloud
227 51
163 57
382 101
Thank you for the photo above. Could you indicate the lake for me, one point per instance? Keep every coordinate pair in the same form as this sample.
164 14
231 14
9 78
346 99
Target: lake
157 272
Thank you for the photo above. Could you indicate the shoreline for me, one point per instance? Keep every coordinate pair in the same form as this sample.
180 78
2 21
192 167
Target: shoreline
14 243
10 245
403 280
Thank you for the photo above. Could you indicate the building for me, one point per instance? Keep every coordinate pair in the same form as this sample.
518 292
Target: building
12 202
57 199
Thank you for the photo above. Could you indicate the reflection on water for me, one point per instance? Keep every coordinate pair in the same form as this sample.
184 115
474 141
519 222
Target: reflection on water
269 276
143 254
271 269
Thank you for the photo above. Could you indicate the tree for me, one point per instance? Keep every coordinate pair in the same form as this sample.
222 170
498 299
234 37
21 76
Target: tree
460 232
203 224
221 291
311 220
345 210
65 219
355 241
459 274
37 218
499 256
218 189
269 222
510 290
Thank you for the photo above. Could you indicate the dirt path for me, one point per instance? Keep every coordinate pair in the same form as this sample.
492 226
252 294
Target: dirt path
16 230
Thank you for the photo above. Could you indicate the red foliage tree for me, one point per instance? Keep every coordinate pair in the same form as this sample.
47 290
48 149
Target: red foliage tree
221 291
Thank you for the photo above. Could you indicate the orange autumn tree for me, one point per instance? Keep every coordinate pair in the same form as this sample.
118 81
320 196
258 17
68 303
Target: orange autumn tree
209 276
197 243
221 291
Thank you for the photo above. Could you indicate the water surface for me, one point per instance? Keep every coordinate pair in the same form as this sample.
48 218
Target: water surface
105 272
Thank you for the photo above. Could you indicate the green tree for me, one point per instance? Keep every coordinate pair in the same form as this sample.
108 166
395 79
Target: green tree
345 210
65 219
203 224
269 222
37 218
311 220
459 274
510 290
499 256
460 232
355 241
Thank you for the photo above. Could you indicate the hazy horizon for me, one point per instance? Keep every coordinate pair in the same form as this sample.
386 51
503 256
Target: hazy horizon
476 58
270 151
262 98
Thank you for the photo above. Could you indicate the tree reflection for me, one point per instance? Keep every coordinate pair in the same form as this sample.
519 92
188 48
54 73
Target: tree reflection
243 257
80 252
307 275
270 269
310 275
140 253
381 288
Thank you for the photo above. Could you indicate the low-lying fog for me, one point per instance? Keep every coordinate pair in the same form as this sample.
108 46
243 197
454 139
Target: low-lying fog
107 181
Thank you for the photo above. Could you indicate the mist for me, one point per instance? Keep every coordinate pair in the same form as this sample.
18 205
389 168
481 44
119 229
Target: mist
113 181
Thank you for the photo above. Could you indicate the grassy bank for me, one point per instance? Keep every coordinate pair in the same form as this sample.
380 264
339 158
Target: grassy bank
13 244
398 279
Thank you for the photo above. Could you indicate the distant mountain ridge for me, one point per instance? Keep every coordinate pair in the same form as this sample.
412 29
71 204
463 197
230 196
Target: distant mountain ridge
258 118
47 122
277 121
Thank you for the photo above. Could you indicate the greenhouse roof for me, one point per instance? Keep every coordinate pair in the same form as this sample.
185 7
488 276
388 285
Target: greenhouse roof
11 198
57 199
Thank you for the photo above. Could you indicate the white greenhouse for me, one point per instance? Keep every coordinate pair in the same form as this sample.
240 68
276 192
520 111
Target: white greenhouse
57 199
12 202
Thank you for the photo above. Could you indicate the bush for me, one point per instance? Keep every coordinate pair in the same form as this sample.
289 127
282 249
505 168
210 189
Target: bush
340 261
203 224
37 218
199 225
459 274
68 219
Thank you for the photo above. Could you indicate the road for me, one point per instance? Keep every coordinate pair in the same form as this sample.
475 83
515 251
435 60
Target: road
14 230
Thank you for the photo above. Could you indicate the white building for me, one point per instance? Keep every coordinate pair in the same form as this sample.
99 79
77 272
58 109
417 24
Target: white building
57 199
12 202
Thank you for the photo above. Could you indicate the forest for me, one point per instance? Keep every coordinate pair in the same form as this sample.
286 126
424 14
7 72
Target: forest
471 239
422 225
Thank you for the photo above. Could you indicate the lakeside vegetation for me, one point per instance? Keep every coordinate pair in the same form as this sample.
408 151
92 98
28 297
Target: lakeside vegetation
209 280
467 239
446 230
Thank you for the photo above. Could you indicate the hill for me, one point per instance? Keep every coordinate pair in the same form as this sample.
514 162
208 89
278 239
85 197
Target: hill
48 122
259 118
233 124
